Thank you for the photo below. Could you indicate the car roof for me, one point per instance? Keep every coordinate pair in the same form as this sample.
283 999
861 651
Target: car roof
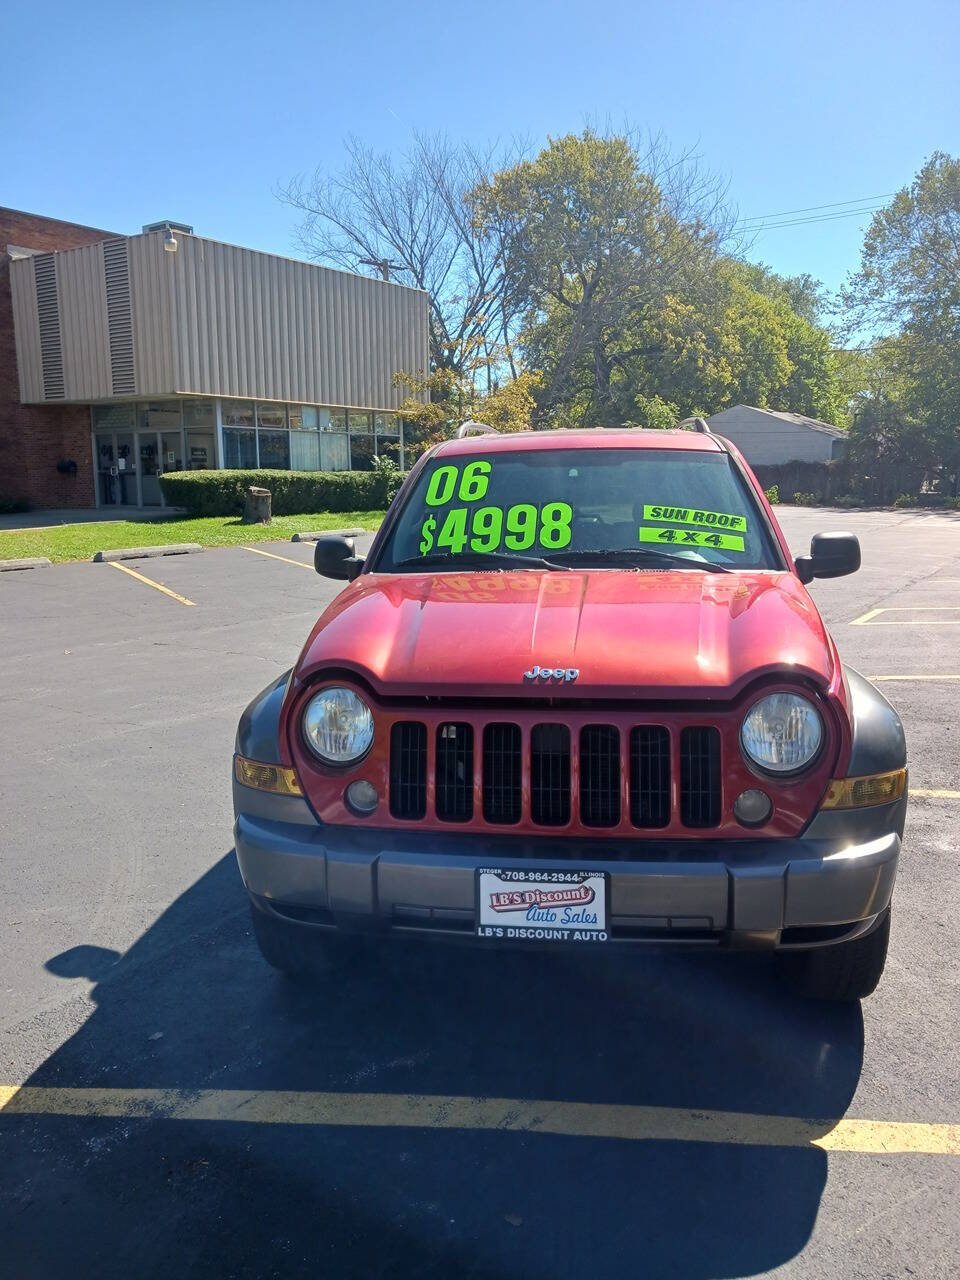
594 438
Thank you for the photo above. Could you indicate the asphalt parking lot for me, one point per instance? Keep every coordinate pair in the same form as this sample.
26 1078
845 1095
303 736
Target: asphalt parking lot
188 1113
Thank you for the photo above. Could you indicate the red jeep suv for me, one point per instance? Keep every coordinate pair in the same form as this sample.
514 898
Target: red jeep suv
577 695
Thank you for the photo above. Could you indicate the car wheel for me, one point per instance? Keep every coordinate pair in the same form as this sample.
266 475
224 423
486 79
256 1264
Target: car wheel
295 951
847 971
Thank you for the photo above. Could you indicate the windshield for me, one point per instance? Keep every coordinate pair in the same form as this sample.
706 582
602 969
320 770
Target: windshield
655 508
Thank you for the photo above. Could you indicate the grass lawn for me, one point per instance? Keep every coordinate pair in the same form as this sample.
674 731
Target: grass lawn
80 541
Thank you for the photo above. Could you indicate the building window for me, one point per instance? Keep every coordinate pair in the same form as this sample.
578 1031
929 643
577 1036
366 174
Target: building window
162 415
387 424
305 450
361 424
237 413
362 452
198 413
387 428
332 419
201 450
304 440
275 450
113 417
239 448
334 451
272 417
304 417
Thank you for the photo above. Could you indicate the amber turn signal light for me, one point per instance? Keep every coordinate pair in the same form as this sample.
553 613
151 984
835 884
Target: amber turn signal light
860 793
276 778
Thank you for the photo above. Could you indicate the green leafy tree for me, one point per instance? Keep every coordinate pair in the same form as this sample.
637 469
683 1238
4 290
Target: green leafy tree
438 403
593 244
908 286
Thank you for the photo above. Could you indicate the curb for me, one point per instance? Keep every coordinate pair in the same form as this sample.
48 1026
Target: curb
328 533
37 562
146 553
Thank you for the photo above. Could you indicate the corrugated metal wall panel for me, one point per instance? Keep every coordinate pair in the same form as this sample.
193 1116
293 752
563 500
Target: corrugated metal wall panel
151 293
250 325
26 329
83 321
213 319
48 324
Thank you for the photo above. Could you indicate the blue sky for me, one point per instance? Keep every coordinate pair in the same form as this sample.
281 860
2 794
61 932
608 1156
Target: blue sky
118 114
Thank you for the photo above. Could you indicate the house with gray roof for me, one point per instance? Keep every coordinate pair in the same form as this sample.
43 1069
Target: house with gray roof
767 436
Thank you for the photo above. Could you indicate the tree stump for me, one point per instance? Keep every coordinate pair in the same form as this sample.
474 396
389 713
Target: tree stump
258 506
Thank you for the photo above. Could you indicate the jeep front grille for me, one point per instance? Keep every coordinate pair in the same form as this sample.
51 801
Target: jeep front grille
550 775
408 769
502 773
599 775
649 776
455 772
700 776
596 776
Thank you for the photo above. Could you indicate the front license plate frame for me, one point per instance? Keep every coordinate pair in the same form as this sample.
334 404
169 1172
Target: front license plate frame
542 905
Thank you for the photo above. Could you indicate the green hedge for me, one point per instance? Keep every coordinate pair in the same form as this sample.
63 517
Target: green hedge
221 493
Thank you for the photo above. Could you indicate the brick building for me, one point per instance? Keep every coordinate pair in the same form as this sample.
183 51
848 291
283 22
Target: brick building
34 439
122 357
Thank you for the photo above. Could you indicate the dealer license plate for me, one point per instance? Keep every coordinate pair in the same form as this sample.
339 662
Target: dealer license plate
542 906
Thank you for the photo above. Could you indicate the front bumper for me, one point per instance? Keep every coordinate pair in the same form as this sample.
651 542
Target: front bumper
752 893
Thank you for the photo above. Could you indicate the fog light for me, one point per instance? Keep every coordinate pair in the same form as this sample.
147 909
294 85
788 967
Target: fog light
752 807
362 798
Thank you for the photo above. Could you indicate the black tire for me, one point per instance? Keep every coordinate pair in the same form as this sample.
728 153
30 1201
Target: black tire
847 971
298 952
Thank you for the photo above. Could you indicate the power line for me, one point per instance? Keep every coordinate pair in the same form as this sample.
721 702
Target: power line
813 208
825 217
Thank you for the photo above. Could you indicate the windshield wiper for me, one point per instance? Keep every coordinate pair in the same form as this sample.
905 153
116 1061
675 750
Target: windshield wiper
630 555
480 560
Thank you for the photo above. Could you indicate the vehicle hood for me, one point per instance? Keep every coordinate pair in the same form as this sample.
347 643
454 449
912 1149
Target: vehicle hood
627 633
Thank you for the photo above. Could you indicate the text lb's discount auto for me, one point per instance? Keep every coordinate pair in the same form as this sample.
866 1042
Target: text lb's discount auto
542 906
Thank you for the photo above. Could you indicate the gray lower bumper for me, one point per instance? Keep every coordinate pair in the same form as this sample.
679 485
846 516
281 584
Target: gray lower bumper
779 893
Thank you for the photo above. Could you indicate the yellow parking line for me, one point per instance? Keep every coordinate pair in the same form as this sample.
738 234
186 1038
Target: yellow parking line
940 677
908 622
935 795
286 559
150 583
425 1111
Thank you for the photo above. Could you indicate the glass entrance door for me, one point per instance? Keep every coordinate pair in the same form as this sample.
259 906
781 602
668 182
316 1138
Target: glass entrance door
127 469
158 451
117 468
171 457
159 446
148 451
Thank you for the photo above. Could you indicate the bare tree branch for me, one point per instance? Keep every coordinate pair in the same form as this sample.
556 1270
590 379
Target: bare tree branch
417 215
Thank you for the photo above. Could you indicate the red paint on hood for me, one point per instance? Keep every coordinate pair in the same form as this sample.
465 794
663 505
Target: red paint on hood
629 634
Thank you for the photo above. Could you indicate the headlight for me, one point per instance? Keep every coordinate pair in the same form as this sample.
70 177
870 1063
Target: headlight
338 726
782 733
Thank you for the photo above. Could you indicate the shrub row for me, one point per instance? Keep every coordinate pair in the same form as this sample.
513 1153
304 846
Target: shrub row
221 493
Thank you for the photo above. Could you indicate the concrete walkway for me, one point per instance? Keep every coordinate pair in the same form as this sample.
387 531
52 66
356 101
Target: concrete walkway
52 519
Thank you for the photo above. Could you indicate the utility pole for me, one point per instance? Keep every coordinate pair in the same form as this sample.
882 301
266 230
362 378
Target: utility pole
383 265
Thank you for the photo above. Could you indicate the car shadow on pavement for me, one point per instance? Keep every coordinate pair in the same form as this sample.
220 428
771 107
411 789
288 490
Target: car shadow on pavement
192 1006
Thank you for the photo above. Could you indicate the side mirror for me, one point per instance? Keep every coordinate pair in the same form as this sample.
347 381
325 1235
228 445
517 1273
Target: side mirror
336 557
832 555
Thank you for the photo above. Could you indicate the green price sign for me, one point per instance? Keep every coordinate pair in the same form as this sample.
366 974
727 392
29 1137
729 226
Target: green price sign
694 515
692 538
483 529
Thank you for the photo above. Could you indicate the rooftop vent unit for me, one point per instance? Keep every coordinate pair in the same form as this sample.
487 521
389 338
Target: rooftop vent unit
167 225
